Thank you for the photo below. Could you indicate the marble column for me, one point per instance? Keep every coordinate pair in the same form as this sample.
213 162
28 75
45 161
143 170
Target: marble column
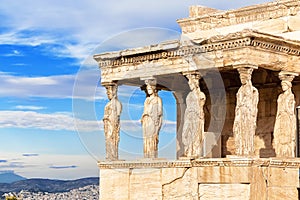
245 114
111 121
180 97
284 141
151 119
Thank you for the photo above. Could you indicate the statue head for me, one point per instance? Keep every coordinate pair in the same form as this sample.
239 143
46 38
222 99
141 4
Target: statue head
286 79
111 91
285 85
245 75
151 89
193 81
151 86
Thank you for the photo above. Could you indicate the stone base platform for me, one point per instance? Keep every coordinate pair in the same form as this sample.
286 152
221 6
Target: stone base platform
213 179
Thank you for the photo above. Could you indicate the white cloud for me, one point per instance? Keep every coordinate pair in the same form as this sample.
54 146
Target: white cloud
52 86
30 154
53 121
57 121
58 86
31 119
24 107
13 53
30 81
83 85
19 64
14 37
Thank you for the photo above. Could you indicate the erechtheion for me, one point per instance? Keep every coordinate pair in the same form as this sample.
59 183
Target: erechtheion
239 87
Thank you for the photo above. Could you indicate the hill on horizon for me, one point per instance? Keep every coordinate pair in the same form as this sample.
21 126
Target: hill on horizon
10 177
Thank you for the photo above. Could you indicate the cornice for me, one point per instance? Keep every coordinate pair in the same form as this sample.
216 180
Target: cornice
243 39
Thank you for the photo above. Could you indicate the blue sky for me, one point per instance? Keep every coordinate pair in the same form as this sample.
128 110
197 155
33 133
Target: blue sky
51 104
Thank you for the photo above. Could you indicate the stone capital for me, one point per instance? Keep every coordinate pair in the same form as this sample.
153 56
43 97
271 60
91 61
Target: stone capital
192 73
245 70
149 80
107 84
287 76
243 67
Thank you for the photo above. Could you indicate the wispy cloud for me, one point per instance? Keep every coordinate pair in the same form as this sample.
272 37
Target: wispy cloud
54 121
31 119
59 86
10 165
83 85
19 64
30 154
22 107
17 37
50 86
13 53
64 167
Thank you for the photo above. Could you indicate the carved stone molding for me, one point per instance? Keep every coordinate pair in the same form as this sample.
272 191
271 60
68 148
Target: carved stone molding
144 164
272 10
217 162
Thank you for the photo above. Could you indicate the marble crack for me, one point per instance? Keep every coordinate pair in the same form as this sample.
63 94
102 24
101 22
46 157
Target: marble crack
180 177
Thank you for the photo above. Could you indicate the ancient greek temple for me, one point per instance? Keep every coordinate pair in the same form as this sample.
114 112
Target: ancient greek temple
234 75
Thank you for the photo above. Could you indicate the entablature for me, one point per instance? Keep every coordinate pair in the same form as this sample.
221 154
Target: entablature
247 47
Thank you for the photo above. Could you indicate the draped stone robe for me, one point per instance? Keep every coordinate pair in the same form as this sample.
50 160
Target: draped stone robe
111 122
285 126
193 128
151 123
245 120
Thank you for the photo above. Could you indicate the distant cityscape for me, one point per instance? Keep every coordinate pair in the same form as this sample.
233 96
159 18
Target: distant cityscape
90 192
15 187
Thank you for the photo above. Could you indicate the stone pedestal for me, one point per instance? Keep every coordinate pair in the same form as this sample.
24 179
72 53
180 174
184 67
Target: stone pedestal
222 178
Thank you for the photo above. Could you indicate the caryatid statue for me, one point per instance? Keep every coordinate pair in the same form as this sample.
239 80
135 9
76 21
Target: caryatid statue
245 114
193 127
111 122
285 125
151 119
